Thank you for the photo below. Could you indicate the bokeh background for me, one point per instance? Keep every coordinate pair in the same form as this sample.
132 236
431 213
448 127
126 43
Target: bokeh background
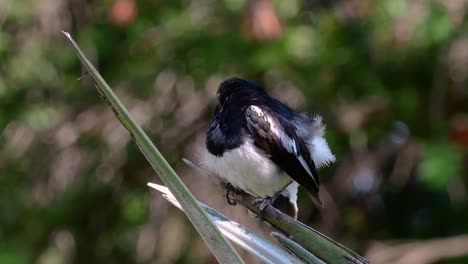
389 77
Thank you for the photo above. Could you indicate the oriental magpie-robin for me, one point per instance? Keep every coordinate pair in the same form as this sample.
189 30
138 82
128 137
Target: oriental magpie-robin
259 145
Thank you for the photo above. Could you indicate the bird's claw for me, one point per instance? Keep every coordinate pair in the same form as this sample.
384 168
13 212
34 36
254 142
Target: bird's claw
262 204
228 193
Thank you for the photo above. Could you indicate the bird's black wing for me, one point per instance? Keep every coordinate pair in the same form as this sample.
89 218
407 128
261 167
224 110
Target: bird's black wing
280 142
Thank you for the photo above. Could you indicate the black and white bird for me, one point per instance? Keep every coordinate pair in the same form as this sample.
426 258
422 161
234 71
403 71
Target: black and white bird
259 145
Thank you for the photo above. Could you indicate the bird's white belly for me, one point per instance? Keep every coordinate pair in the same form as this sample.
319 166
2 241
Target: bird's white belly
248 168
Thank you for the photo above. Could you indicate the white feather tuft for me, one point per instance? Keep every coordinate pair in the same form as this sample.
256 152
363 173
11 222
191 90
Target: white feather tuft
291 193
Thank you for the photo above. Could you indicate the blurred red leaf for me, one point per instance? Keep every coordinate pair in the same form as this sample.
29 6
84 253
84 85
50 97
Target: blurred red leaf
122 12
261 21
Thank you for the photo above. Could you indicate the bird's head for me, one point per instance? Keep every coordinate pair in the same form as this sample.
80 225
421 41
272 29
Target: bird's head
239 87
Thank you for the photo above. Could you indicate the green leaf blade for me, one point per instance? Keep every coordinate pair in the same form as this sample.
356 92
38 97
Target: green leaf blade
221 248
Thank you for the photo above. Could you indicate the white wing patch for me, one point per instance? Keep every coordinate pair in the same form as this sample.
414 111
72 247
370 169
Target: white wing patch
306 167
287 142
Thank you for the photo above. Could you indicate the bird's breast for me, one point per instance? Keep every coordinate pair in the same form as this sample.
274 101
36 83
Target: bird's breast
248 168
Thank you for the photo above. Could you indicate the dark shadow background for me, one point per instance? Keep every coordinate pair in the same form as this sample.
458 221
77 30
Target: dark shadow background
389 77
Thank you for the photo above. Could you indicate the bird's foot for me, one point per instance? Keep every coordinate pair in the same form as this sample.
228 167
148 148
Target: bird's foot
230 193
262 204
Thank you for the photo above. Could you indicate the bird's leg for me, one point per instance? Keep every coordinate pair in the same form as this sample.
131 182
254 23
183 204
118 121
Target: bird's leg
262 203
228 190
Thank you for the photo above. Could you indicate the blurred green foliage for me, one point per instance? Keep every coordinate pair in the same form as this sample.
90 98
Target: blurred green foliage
440 165
389 77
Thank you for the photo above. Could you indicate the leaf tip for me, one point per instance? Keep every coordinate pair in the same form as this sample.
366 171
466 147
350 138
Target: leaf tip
158 187
66 34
